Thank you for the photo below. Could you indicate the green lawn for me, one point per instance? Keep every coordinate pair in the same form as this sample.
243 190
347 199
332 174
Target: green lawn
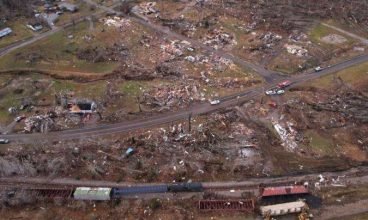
320 144
20 32
58 52
320 31
353 75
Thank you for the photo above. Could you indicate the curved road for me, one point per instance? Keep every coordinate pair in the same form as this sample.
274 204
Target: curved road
196 109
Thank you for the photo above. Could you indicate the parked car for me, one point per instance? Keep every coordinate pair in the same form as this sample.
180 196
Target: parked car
318 68
270 92
4 141
275 91
215 102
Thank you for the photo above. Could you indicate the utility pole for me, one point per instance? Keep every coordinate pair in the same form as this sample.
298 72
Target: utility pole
190 122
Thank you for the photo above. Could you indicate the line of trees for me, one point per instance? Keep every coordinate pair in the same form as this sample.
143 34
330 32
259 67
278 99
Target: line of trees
12 8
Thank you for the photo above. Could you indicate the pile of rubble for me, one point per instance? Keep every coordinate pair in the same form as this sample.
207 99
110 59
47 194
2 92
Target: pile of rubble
218 38
297 36
175 49
296 50
181 95
287 135
117 22
213 62
270 39
146 8
39 123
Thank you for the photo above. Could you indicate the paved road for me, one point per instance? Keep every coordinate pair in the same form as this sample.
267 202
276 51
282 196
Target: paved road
196 109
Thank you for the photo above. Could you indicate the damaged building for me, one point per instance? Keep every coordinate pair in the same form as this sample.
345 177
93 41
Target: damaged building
82 107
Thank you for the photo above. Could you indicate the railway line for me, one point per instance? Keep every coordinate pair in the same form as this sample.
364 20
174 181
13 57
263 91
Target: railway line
357 175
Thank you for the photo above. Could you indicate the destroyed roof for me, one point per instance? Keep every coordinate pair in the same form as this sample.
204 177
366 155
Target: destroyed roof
283 190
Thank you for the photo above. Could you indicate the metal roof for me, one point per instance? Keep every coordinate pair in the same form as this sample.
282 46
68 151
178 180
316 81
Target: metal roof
283 190
87 193
139 189
5 32
283 208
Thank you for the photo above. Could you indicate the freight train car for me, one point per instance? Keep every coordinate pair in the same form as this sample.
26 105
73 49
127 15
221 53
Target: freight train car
91 193
117 193
185 187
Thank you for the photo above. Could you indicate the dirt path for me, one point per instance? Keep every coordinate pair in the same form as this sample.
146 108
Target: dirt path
353 176
362 39
58 74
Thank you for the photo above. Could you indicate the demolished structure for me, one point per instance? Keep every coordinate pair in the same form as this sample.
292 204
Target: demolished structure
82 107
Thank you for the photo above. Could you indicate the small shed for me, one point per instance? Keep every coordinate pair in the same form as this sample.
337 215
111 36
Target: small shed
88 193
4 32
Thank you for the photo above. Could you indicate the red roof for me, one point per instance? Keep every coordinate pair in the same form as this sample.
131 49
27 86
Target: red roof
284 190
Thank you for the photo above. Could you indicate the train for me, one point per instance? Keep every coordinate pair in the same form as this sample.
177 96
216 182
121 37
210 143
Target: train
106 193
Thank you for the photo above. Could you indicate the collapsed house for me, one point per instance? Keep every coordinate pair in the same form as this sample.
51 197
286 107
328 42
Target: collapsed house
82 107
39 123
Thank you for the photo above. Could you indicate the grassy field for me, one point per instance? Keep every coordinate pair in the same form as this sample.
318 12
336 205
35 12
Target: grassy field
320 31
56 53
20 32
353 28
353 76
320 144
